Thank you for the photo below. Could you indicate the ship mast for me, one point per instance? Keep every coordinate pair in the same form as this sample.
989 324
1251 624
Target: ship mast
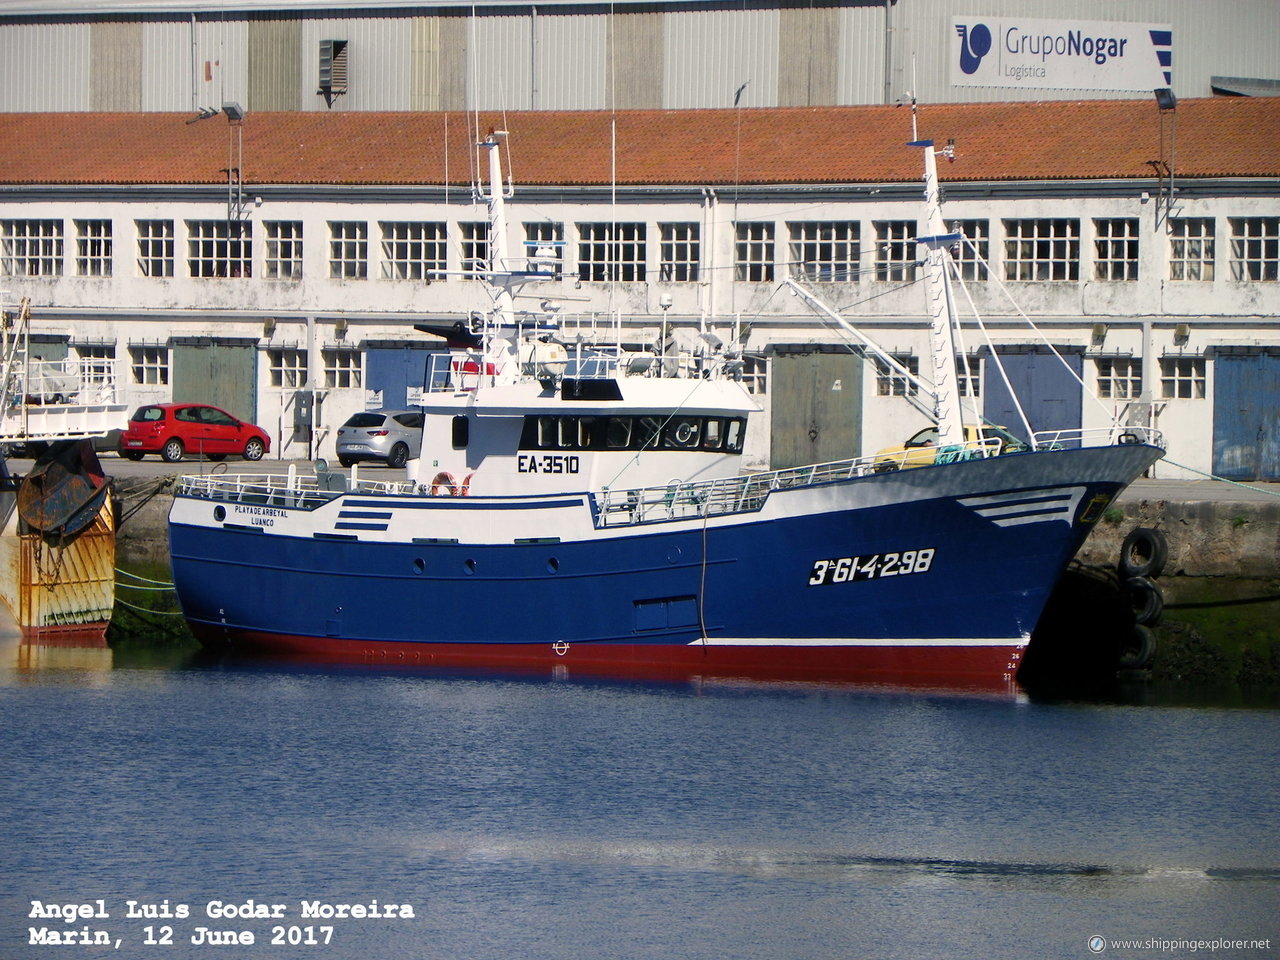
936 243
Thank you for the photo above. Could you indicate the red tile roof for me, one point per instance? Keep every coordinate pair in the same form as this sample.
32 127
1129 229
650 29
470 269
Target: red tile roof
1090 139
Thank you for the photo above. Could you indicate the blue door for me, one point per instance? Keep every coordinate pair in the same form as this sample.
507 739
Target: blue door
392 368
1047 385
1246 416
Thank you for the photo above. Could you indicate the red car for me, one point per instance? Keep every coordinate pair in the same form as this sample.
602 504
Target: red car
174 429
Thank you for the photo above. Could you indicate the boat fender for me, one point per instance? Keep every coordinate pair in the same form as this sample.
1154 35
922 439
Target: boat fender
1138 649
444 480
1146 599
1143 553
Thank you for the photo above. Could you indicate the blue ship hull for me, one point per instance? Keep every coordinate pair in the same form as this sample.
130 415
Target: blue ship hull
928 572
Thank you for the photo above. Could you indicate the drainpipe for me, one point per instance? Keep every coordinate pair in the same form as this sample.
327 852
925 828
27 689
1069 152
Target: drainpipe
888 51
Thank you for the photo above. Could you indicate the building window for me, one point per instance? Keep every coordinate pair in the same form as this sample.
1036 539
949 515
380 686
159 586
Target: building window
826 252
1191 248
1255 248
973 253
475 250
348 250
155 248
341 367
31 248
755 373
1115 248
601 257
895 250
753 253
93 248
681 252
150 365
288 367
1042 249
97 362
969 376
890 383
1119 378
1182 377
284 249
220 248
410 251
544 246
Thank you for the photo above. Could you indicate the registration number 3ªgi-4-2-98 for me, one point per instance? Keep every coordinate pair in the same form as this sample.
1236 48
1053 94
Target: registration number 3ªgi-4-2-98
871 567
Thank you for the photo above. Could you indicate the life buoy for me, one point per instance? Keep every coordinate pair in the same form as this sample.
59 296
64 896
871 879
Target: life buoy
445 480
1146 599
1138 648
1143 553
466 484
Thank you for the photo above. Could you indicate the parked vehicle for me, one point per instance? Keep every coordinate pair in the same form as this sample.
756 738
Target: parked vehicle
176 429
922 449
392 436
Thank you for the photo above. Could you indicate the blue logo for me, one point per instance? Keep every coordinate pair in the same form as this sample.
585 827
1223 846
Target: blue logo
975 44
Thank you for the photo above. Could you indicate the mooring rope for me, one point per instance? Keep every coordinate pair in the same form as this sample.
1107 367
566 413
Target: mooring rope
1214 476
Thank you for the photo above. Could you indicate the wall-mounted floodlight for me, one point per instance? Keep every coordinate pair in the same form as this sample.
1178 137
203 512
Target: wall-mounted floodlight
1165 99
233 110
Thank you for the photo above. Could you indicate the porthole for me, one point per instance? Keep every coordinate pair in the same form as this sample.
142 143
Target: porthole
469 566
219 513
419 566
553 565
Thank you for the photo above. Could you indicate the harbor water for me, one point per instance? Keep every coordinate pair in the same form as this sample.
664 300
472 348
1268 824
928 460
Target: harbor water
199 808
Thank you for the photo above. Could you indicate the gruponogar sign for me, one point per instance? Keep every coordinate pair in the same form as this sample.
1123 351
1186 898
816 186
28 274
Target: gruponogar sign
1060 54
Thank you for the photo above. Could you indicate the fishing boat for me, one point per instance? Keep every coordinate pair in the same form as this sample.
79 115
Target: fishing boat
582 507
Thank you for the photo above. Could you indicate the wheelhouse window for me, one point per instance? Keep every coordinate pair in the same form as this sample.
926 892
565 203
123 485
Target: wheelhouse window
93 248
611 251
31 248
284 249
680 252
348 250
414 251
220 248
155 248
896 250
1115 249
1042 249
1255 248
645 432
1191 248
753 252
825 251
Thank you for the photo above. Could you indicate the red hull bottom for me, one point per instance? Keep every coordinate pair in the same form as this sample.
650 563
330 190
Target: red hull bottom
989 668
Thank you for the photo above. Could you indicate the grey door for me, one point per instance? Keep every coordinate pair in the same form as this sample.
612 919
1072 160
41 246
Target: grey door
816 408
223 373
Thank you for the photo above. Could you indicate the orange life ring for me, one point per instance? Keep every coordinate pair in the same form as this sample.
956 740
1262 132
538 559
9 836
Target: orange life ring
445 480
466 485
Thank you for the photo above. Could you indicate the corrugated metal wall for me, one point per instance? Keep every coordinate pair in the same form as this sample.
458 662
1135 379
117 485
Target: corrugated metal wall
571 57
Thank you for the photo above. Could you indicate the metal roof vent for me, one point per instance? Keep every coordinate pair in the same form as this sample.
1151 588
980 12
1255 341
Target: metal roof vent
333 69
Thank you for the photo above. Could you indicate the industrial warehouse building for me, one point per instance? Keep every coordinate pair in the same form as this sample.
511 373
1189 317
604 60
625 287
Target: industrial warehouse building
254 204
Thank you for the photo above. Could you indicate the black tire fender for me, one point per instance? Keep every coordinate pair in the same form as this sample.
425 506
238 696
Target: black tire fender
1143 553
1146 599
1138 648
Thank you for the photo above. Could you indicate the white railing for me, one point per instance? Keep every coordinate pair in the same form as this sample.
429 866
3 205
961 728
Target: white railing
1096 437
293 489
